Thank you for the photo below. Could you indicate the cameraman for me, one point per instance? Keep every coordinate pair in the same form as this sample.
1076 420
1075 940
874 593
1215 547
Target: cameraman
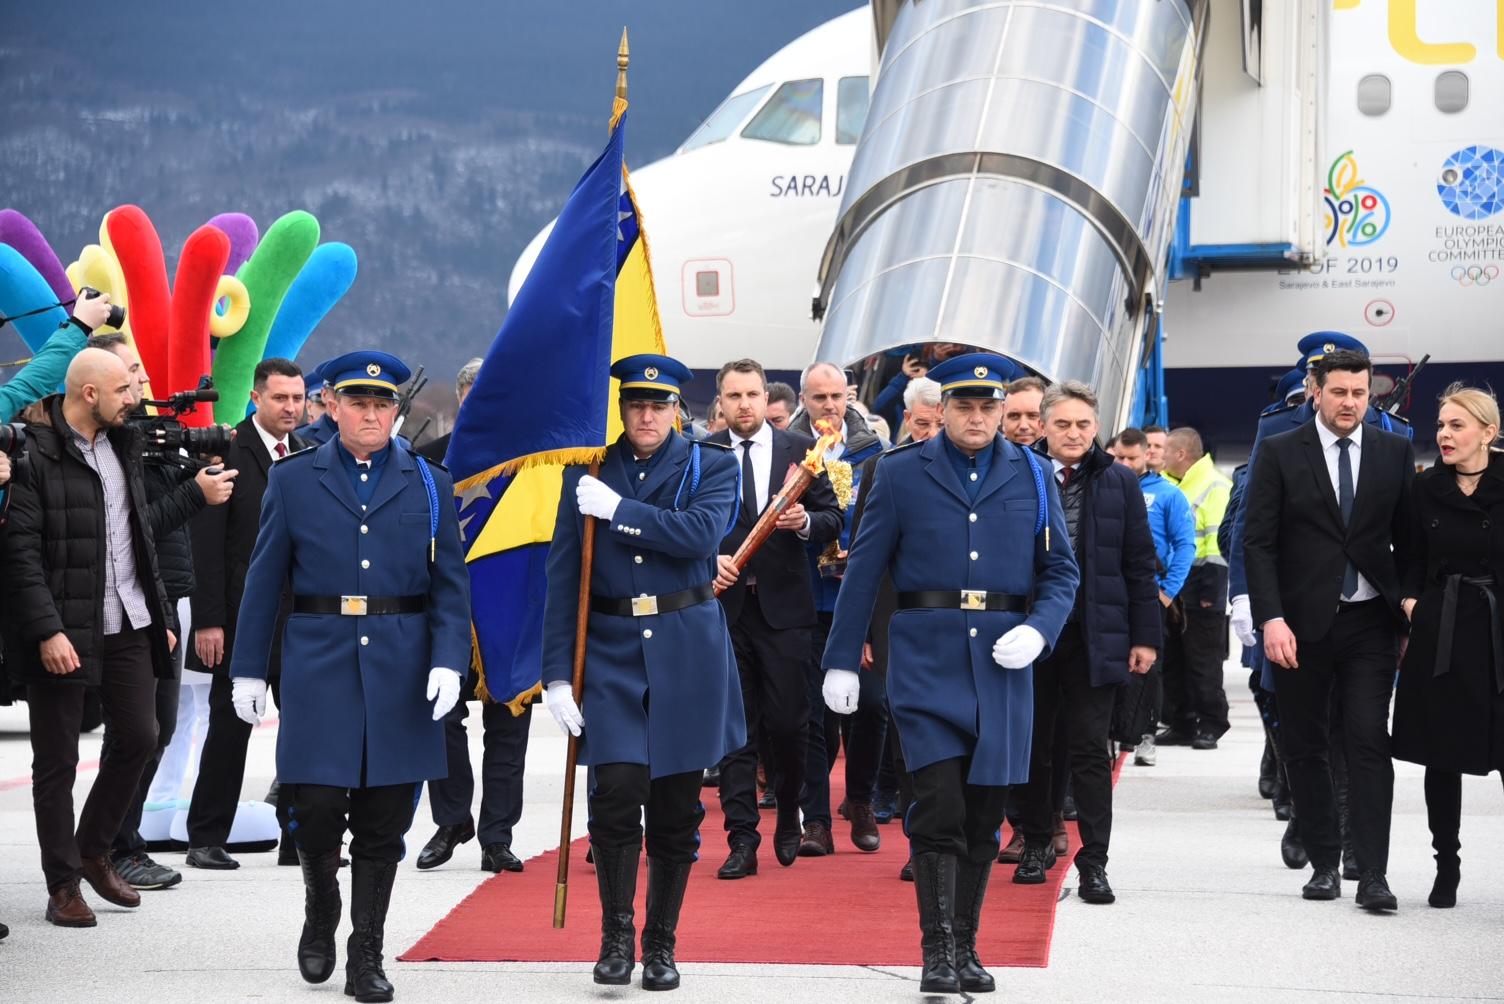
45 371
85 607
174 496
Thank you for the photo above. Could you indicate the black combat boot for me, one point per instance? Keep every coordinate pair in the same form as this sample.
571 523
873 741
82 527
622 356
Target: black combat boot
616 876
935 887
666 884
321 912
971 890
370 894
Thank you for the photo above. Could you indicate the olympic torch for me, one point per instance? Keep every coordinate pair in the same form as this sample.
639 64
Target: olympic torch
800 476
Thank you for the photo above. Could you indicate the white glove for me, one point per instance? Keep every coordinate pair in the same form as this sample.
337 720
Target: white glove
560 701
841 689
595 499
443 690
1242 620
248 695
1018 648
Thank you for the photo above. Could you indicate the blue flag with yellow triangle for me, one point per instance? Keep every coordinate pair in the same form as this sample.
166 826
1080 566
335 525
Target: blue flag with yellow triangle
543 399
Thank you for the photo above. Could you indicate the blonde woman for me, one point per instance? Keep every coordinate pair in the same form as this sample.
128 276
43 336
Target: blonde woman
1449 705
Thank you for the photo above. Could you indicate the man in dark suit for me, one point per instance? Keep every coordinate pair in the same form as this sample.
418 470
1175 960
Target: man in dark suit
770 609
1326 528
223 538
505 756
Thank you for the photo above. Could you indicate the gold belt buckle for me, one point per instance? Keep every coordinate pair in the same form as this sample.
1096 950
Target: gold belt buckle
644 606
973 599
352 606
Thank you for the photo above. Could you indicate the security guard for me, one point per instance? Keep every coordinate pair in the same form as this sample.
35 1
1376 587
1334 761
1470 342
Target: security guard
971 531
662 694
366 535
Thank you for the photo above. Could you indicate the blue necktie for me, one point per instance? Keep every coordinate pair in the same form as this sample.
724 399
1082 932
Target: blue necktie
1345 504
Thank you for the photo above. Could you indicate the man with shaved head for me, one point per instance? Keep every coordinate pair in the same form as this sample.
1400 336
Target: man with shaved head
85 607
823 395
1195 705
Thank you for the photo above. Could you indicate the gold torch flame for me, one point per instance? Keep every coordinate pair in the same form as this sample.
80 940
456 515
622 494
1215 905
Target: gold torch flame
814 460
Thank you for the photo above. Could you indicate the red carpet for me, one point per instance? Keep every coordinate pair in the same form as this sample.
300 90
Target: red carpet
849 909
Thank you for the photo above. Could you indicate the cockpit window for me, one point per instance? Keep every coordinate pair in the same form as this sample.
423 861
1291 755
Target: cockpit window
792 114
852 95
724 120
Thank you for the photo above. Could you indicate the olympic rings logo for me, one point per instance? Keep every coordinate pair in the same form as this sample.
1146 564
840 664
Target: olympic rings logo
1474 275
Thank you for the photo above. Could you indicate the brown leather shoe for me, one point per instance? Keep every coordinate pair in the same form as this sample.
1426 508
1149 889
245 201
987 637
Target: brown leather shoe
66 907
105 880
817 841
864 827
1062 839
1010 854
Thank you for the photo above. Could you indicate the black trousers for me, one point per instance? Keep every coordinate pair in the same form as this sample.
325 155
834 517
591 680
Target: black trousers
501 770
221 766
863 731
1358 658
951 816
1444 810
128 841
1194 700
128 691
770 662
1065 698
317 816
621 794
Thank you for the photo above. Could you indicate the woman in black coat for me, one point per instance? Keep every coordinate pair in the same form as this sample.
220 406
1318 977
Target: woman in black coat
1449 705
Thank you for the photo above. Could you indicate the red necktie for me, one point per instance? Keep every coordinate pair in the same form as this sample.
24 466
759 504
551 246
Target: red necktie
1065 475
281 450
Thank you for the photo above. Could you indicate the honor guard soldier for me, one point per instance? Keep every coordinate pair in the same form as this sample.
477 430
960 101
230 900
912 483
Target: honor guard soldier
970 529
367 536
662 699
320 428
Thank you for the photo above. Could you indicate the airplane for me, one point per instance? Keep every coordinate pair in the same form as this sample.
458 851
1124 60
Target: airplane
1345 172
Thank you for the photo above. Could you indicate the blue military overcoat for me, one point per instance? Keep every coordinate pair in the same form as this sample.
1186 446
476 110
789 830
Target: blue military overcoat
662 689
354 688
949 698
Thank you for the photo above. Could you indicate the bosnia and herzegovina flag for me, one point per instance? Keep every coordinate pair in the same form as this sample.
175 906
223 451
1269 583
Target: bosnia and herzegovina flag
543 399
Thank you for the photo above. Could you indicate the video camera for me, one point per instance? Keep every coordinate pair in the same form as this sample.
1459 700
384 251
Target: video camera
13 439
167 439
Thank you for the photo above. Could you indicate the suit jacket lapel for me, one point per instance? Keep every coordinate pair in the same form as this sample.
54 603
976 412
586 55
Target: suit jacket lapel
333 477
1316 457
937 464
1002 470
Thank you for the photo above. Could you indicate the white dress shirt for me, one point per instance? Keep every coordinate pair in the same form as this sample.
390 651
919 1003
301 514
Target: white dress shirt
762 469
762 461
1332 452
269 441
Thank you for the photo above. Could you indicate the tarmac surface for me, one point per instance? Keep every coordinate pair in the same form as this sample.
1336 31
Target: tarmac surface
1206 911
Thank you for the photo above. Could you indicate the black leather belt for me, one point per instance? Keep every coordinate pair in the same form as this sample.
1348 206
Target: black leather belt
962 599
359 606
646 606
1448 628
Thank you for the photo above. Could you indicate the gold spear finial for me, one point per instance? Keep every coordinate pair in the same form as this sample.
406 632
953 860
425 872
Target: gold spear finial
623 55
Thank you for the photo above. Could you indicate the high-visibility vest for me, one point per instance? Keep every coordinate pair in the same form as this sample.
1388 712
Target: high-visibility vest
1207 489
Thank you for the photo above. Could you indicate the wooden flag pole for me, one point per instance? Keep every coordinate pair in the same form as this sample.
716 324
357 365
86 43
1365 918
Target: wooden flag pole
581 625
577 683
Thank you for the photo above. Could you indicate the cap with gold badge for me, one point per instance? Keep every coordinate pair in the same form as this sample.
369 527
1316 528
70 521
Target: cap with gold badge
1317 344
650 377
366 373
975 374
